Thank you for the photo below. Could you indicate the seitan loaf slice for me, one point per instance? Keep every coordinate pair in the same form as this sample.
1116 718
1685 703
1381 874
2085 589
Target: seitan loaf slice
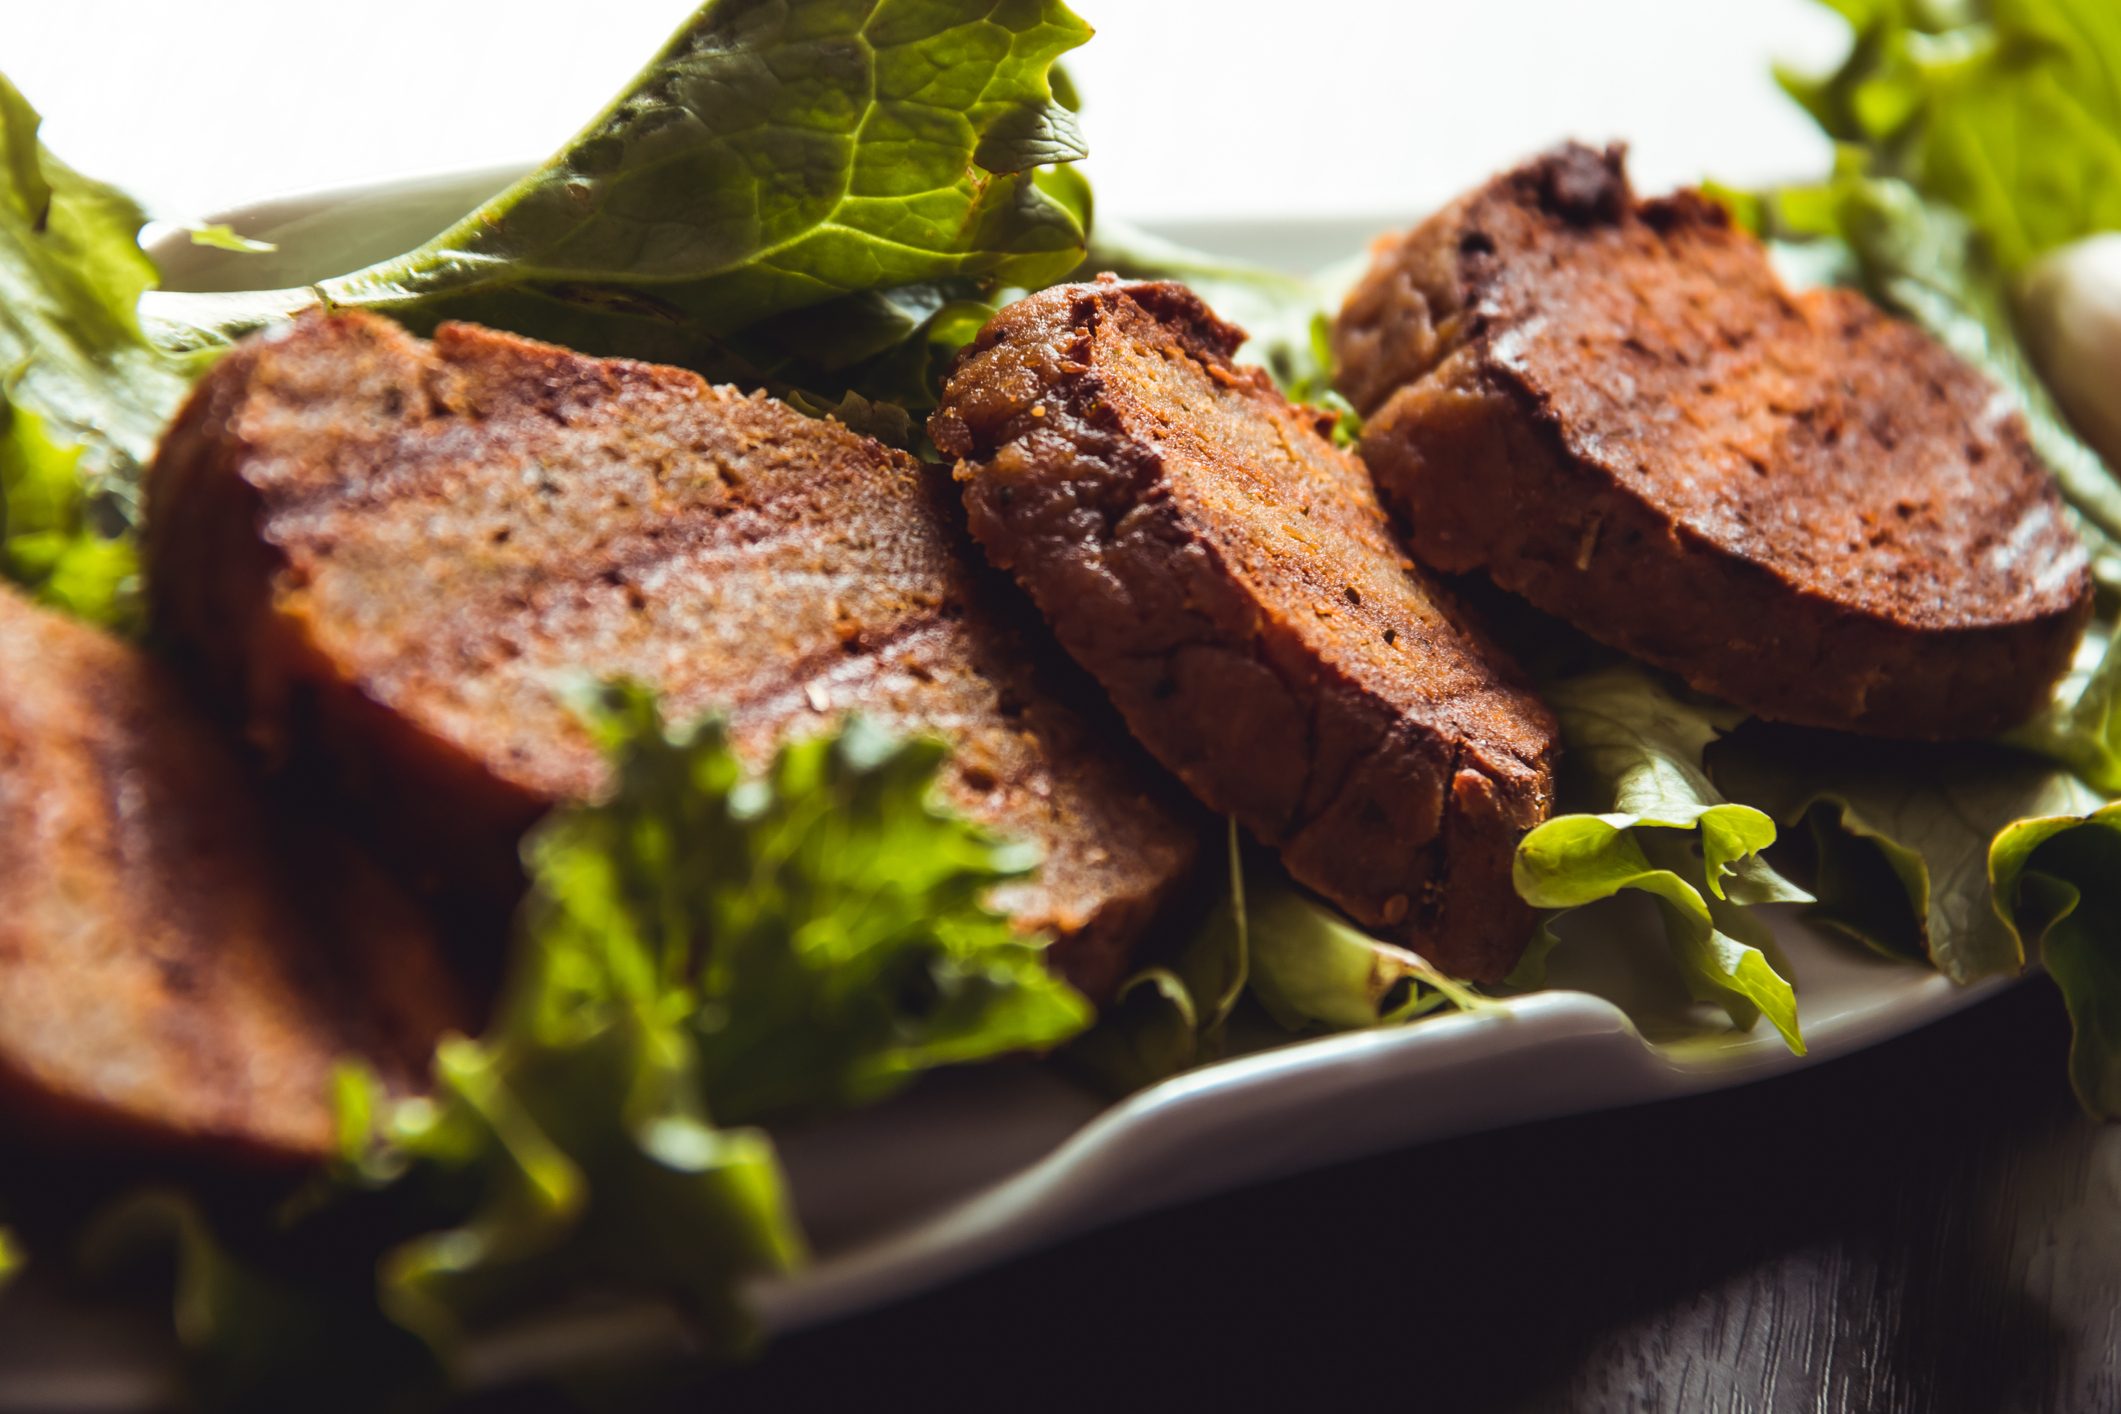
1199 544
180 963
1615 408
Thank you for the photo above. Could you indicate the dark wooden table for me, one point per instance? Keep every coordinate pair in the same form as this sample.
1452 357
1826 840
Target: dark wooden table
1931 1225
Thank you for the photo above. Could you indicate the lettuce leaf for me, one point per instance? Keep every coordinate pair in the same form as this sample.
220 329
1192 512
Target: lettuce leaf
1314 970
1635 747
72 349
778 156
705 947
48 543
2057 887
1899 834
83 391
2005 110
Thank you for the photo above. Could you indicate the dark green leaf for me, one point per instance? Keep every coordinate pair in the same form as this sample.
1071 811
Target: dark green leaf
2058 887
777 155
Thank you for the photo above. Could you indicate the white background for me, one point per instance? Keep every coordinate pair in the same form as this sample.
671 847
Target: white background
1236 108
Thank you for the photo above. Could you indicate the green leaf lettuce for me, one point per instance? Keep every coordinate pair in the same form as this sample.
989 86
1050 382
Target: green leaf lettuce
706 947
2057 886
1669 833
1899 834
83 391
2005 110
778 155
1312 969
48 542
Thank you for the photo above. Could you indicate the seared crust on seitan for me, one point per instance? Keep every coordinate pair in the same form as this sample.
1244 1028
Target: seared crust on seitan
178 965
1616 409
393 554
1201 546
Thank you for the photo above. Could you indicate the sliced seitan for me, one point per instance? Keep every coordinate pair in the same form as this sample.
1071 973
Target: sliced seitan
1616 409
181 964
393 555
1199 544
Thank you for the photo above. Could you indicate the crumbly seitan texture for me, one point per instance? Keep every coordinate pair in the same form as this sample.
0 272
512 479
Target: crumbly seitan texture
182 965
393 555
1616 409
1199 544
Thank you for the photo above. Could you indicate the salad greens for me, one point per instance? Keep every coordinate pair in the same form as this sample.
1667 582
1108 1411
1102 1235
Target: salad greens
2057 883
1670 834
48 539
2004 111
1899 834
704 947
83 393
1312 970
901 143
786 193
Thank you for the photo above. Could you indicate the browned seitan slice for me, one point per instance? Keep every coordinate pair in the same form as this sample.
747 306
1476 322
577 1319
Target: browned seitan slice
1200 545
180 965
392 555
1615 408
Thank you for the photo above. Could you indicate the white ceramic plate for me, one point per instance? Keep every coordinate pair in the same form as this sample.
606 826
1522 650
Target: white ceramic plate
973 1168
